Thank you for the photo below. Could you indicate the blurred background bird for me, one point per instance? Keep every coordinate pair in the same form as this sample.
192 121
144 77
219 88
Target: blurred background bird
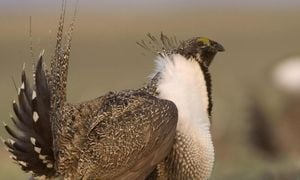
275 137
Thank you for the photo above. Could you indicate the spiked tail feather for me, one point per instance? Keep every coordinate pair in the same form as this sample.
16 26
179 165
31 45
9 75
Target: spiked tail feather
31 143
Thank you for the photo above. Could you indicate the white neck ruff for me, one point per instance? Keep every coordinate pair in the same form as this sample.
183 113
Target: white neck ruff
182 82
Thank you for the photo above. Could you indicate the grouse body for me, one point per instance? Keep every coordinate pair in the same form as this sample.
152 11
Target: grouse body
160 131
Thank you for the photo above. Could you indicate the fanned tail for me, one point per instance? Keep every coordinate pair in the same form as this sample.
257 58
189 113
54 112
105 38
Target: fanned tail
31 143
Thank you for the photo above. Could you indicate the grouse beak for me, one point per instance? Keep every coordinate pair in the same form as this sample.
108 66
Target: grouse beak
218 47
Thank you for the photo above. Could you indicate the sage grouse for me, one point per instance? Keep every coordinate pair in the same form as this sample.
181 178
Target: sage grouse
160 131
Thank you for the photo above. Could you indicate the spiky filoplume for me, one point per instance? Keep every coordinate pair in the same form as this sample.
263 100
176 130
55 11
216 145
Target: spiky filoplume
132 134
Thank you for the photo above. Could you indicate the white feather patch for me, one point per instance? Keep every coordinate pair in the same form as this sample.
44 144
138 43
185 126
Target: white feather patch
37 149
42 157
22 163
35 116
33 94
182 82
13 157
49 165
32 140
42 53
12 142
23 85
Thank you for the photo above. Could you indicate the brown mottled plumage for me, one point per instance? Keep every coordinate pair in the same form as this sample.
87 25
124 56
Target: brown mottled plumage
131 134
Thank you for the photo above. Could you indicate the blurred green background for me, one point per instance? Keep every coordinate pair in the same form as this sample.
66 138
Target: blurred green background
256 35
